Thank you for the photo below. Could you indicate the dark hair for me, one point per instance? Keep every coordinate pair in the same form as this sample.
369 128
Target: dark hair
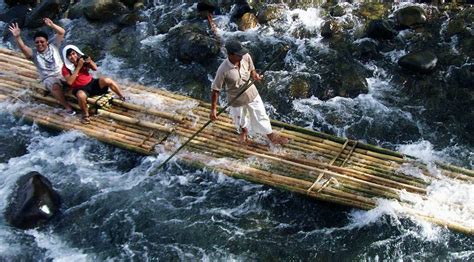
40 34
69 51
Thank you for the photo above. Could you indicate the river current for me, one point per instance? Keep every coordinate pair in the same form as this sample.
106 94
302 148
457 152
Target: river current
112 210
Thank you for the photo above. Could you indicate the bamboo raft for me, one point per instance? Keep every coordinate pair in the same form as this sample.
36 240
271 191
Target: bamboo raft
318 165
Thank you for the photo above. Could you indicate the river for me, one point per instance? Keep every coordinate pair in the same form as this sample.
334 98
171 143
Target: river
112 210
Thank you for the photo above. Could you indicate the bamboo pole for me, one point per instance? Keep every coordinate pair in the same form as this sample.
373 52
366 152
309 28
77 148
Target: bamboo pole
116 141
307 167
321 165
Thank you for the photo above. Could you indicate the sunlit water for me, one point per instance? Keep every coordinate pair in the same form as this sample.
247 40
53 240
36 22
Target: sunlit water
113 210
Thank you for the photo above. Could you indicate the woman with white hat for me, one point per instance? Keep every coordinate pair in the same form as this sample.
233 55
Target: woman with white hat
76 72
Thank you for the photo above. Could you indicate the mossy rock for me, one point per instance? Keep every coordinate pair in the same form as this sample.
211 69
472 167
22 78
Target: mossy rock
337 11
373 11
299 88
247 21
270 12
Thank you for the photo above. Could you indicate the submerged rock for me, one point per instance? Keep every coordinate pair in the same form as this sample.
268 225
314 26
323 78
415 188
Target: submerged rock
423 62
33 202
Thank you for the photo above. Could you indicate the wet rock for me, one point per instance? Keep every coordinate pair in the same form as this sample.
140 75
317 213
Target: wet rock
16 14
13 3
33 202
190 42
411 16
240 8
380 29
47 8
103 10
130 18
162 23
422 62
247 21
132 4
270 12
346 78
122 43
299 88
330 28
80 35
337 11
207 6
455 26
367 49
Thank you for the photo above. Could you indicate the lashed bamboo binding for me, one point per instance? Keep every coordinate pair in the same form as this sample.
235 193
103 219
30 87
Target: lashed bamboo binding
322 166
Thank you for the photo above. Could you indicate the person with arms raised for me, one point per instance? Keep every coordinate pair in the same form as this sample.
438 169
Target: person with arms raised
46 58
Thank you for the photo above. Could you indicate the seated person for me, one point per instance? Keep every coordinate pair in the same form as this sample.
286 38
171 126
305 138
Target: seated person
76 72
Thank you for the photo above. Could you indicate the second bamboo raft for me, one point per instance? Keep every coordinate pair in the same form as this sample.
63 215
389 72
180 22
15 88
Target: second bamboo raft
322 166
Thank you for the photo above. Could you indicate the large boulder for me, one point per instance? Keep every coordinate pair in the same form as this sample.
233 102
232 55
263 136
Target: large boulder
422 61
411 16
270 12
33 202
13 3
47 8
16 14
330 28
346 78
103 10
380 29
240 8
191 43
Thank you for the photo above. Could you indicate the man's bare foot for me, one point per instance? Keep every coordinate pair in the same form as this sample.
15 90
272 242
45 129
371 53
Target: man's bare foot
277 139
243 138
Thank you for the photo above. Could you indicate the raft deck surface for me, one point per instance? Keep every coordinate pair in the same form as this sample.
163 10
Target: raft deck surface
321 166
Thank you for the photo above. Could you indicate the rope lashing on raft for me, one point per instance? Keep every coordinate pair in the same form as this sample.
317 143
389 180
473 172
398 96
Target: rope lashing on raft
326 183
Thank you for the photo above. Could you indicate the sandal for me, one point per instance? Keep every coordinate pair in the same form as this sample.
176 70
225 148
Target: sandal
71 112
86 120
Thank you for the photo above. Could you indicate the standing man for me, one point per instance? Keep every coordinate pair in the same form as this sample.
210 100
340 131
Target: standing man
247 111
47 59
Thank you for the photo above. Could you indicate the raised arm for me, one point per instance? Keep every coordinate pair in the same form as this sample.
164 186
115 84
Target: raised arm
59 31
16 32
90 63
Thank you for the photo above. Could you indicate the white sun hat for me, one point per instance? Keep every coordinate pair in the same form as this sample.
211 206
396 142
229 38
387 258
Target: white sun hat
68 63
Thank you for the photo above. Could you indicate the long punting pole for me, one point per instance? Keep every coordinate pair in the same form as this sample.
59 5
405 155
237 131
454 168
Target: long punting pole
243 89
